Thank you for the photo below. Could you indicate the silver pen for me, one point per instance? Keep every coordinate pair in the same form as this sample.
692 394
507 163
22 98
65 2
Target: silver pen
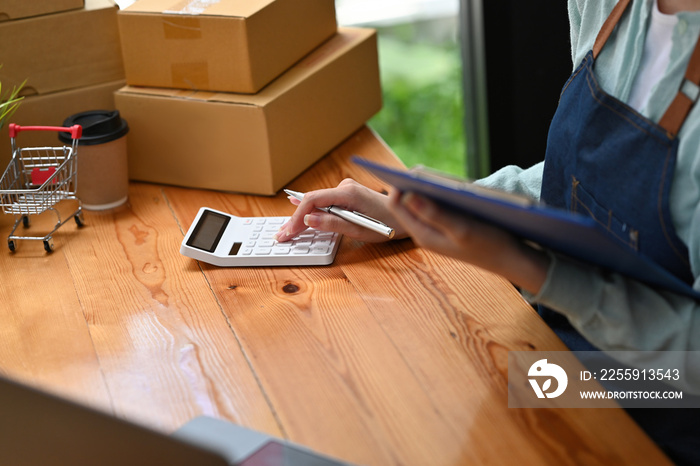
353 217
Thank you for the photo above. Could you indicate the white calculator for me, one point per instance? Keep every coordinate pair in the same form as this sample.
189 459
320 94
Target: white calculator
225 240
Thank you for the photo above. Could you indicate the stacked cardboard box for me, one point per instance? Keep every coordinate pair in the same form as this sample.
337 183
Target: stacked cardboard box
70 55
17 9
241 96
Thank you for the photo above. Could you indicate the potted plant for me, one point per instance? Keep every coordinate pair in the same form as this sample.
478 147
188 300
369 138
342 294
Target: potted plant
9 101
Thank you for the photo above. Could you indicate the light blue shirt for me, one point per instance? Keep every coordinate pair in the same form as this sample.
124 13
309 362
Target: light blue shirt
611 311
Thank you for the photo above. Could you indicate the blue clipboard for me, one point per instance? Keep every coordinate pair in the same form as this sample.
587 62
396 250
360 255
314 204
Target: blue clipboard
573 235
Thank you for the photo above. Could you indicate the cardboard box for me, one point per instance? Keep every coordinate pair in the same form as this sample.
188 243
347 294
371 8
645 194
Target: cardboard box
254 144
62 51
51 110
17 9
220 45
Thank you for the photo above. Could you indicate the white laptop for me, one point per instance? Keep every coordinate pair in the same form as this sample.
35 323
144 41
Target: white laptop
41 429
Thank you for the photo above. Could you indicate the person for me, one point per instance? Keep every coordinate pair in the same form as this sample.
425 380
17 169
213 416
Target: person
623 147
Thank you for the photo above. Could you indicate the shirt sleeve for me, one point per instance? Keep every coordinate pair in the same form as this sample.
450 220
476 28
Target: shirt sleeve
613 312
516 180
575 13
616 313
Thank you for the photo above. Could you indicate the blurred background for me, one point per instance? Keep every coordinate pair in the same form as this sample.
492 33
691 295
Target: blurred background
421 72
469 86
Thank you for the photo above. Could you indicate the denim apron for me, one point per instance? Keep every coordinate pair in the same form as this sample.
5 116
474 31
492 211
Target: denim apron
606 160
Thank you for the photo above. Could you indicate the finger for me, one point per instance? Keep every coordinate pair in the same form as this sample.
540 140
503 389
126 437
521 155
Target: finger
329 222
428 213
344 196
456 234
442 231
295 224
407 210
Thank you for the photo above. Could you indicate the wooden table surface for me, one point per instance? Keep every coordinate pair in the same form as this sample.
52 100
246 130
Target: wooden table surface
391 355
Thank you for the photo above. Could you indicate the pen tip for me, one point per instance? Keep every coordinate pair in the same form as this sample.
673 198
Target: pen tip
293 193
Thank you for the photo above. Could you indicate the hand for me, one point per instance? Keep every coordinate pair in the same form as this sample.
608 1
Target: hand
349 195
468 239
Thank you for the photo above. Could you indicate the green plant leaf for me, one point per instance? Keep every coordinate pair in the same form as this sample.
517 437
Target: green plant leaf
9 102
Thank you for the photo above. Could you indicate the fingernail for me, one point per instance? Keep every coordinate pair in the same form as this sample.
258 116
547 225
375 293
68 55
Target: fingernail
282 233
311 220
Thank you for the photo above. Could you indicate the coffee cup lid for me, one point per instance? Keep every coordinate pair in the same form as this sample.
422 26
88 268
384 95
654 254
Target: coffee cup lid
99 127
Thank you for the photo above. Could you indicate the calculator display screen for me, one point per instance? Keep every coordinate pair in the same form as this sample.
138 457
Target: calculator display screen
209 230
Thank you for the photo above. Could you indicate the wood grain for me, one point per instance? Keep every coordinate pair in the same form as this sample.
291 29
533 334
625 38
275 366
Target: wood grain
390 356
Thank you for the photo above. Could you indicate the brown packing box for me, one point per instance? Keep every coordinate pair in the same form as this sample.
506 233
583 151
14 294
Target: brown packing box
16 9
219 45
254 143
62 51
51 110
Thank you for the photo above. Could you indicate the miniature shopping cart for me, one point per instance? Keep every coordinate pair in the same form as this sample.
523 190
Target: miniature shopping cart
37 179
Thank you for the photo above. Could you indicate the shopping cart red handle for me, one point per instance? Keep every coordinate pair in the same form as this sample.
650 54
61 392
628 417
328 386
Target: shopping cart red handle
76 131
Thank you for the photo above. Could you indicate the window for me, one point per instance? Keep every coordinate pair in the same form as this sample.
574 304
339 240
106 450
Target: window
419 53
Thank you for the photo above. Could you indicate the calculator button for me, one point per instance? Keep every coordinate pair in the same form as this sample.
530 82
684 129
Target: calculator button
320 250
247 251
263 251
250 244
279 251
322 242
257 229
276 221
300 250
266 243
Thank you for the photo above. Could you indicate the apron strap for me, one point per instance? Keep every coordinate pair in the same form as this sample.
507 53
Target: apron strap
689 90
609 26
687 95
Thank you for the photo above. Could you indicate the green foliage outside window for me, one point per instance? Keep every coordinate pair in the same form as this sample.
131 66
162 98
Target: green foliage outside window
422 117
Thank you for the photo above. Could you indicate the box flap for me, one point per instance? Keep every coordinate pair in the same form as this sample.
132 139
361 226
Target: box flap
233 8
316 60
17 9
98 5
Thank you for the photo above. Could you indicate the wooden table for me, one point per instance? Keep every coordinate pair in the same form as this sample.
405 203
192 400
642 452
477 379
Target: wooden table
391 355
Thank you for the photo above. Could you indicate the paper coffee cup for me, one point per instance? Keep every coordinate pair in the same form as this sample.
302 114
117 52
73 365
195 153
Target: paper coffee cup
103 175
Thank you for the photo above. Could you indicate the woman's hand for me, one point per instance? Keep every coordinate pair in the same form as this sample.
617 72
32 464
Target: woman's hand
349 195
470 240
449 233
